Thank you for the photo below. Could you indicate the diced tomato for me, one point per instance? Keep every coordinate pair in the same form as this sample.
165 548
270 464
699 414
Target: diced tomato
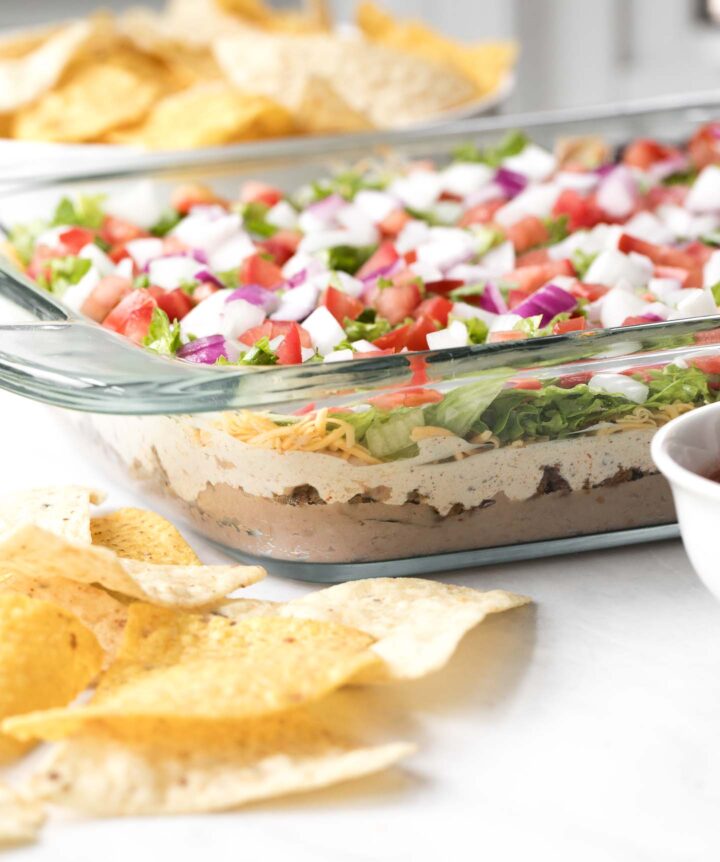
394 340
272 328
635 320
368 354
75 239
117 231
642 371
173 245
341 305
281 246
437 307
527 233
419 370
529 278
707 364
257 270
308 408
506 335
105 296
118 252
39 264
406 398
175 303
573 324
705 146
396 302
661 195
132 316
393 223
410 257
290 350
586 290
699 251
202 291
662 255
568 381
533 258
644 152
482 213
515 297
419 331
385 255
256 192
582 211
531 383
711 336
184 198
443 286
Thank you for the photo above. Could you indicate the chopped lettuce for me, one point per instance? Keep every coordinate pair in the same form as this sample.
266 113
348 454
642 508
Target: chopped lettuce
582 261
368 326
63 272
167 221
348 258
162 336
259 354
345 183
84 211
24 236
254 216
557 228
461 408
388 436
715 289
672 385
477 330
512 144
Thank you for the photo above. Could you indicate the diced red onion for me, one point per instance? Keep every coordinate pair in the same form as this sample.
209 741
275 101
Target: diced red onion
511 182
603 170
492 300
384 271
652 318
667 167
205 350
547 302
255 295
327 208
297 279
617 194
204 275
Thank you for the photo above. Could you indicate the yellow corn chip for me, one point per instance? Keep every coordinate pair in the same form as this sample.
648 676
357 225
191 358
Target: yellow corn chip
139 534
28 76
104 615
485 64
322 110
96 95
236 609
175 666
34 552
211 115
20 818
206 768
417 623
47 657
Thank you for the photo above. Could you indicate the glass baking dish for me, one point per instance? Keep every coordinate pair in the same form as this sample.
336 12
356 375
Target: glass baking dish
194 436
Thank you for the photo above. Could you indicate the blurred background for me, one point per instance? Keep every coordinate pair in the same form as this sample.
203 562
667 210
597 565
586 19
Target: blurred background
573 51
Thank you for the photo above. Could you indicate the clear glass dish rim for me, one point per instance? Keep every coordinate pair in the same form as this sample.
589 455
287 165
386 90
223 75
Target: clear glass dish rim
155 385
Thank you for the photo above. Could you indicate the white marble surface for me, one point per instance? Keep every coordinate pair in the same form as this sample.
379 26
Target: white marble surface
582 728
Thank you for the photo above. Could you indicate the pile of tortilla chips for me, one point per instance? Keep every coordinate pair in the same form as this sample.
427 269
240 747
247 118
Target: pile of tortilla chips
197 701
213 72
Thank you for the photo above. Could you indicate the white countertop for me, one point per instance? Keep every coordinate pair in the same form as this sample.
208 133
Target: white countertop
583 728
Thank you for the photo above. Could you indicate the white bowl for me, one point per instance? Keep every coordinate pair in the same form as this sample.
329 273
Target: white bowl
686 451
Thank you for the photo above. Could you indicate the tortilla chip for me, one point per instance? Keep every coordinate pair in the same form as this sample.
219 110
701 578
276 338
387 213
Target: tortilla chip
20 43
485 64
104 615
322 110
47 657
417 623
138 534
174 666
95 95
237 609
26 77
20 818
387 86
207 768
220 115
64 511
34 552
